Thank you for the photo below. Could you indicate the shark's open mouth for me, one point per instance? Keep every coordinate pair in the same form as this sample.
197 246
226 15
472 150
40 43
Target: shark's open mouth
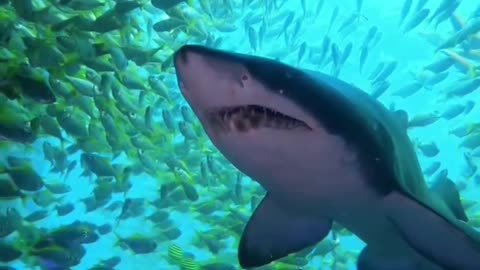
246 117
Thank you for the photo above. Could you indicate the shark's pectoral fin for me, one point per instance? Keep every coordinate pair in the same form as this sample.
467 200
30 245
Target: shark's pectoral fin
274 232
431 235
369 260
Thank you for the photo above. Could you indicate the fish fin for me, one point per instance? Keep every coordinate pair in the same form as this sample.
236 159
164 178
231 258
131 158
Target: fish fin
273 232
402 117
369 260
447 190
441 241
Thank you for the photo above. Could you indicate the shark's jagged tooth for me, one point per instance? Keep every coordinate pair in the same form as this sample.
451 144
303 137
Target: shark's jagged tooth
280 122
291 124
263 117
255 119
241 125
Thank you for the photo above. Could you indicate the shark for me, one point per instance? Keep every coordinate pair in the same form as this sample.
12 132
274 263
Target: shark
325 151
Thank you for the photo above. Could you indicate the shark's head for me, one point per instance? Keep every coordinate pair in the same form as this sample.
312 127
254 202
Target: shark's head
235 93
256 111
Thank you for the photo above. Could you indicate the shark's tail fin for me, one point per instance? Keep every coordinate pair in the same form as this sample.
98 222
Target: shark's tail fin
448 191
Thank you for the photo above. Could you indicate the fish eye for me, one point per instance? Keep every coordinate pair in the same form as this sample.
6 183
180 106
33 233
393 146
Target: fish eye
132 114
244 77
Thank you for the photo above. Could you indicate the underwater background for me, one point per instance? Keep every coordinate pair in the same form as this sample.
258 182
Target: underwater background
104 166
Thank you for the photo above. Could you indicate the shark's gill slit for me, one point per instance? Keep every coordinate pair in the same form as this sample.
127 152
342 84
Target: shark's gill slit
246 117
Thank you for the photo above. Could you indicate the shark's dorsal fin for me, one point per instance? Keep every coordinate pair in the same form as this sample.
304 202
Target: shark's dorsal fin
447 190
274 232
402 118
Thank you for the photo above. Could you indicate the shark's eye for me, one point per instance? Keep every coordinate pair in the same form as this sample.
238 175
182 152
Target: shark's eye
244 77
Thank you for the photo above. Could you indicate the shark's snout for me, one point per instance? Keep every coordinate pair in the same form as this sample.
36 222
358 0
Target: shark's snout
227 96
201 65
182 62
182 54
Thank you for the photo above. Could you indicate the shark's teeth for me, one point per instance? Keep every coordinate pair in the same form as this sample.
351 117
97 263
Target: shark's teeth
245 118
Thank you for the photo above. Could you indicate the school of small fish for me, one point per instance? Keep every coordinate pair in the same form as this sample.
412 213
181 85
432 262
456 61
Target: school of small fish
104 166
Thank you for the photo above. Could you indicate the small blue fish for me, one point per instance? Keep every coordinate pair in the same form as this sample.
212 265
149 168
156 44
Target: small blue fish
416 20
464 88
319 7
346 53
372 32
363 57
405 10
453 111
387 71
332 18
408 90
301 52
420 4
252 38
376 71
441 65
